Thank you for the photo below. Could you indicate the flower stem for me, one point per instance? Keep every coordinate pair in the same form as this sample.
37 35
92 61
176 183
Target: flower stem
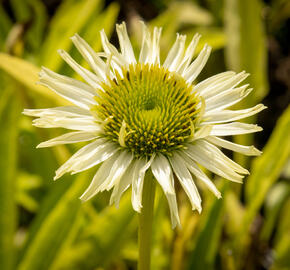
145 222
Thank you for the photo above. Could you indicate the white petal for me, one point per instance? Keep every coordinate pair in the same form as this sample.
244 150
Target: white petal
68 111
69 123
80 155
203 132
213 80
97 156
162 171
175 54
227 98
188 54
96 63
246 150
121 186
72 137
137 185
155 48
171 198
197 65
146 44
67 80
101 175
219 155
186 181
73 91
110 49
208 160
88 76
125 44
224 116
150 46
234 128
120 166
222 83
199 174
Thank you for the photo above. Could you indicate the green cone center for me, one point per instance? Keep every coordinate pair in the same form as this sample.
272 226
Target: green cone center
148 110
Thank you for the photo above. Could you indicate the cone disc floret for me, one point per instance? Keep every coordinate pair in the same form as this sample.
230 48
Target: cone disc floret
148 110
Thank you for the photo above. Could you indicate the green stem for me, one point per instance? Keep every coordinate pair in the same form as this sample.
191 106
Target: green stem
145 222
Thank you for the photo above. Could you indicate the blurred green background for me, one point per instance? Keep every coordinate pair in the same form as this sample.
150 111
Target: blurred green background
43 224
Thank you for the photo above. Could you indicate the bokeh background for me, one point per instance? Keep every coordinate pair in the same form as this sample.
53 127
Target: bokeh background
43 224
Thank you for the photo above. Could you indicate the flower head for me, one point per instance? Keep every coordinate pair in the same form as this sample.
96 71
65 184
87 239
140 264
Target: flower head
143 114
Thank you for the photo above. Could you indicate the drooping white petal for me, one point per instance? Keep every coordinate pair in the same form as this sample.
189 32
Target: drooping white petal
213 80
69 123
87 75
226 98
67 80
171 198
97 156
199 174
96 63
208 160
162 171
74 92
100 176
197 65
137 186
125 43
234 128
65 111
71 137
218 84
175 54
81 154
219 155
214 117
120 166
123 184
188 54
186 181
245 150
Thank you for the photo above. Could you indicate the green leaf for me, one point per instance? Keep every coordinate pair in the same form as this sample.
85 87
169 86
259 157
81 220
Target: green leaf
26 73
102 238
274 202
213 36
53 228
246 44
68 20
266 170
8 158
282 241
207 241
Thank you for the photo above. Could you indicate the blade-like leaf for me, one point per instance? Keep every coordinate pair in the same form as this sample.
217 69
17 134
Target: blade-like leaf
266 170
26 73
246 43
8 157
47 238
206 244
68 20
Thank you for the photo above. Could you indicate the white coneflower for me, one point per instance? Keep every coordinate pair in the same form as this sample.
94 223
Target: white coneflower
141 114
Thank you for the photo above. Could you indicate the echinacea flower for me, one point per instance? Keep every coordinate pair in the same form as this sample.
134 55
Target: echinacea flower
140 114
